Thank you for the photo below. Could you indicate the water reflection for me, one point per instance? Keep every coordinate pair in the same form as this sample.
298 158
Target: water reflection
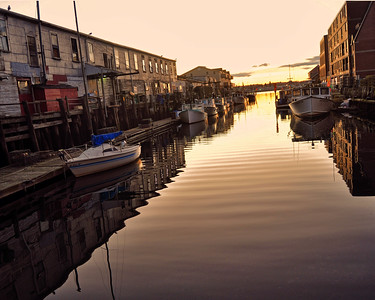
353 143
48 233
311 129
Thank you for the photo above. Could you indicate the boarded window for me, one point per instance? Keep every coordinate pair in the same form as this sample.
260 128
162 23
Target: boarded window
136 62
75 56
33 53
117 59
90 48
143 64
3 36
127 61
55 46
150 65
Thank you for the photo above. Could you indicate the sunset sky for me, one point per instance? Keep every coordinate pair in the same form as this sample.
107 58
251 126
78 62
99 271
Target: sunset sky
255 40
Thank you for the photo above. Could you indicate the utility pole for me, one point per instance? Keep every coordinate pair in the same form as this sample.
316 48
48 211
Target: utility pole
86 109
44 75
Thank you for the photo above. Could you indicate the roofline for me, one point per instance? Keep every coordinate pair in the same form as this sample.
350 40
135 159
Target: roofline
47 24
215 69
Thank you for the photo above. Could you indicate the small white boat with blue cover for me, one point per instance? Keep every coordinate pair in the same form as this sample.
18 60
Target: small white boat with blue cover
103 155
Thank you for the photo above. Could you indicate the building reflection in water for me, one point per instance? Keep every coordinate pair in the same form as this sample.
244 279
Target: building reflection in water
46 235
353 143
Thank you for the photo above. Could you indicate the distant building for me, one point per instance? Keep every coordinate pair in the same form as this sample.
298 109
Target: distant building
314 74
219 79
324 60
49 67
351 43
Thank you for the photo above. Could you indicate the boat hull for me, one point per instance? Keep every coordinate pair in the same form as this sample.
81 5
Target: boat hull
311 106
192 116
83 167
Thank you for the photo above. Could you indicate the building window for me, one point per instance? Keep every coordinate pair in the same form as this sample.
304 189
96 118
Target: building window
3 36
55 46
150 65
90 48
117 59
74 49
143 64
136 62
127 61
166 69
156 67
33 53
107 61
161 67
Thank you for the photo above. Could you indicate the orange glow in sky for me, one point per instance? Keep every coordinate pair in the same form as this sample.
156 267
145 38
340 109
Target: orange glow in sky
244 37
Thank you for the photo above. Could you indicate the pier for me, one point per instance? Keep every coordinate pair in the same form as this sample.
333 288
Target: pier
22 178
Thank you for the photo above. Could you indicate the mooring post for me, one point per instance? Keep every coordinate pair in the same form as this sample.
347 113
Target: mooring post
4 144
125 112
103 122
30 125
64 119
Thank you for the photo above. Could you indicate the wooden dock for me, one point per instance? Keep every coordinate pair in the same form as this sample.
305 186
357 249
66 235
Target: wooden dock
15 179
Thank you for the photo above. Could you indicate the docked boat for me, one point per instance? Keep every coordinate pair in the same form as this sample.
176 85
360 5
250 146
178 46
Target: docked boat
239 99
282 102
192 113
221 105
311 102
210 107
102 156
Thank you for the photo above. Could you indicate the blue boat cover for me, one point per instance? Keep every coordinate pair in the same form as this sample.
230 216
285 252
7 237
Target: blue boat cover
99 139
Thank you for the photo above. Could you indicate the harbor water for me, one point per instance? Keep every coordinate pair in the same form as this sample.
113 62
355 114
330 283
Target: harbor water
255 204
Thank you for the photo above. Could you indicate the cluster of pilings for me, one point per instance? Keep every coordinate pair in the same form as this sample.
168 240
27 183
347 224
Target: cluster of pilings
35 133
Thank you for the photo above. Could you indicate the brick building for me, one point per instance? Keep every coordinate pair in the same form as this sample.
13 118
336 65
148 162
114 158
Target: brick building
351 43
112 70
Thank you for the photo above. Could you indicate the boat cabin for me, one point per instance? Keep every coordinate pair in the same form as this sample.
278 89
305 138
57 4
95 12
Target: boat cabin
322 92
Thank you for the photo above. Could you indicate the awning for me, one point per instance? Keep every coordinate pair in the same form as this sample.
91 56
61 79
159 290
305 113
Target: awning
93 72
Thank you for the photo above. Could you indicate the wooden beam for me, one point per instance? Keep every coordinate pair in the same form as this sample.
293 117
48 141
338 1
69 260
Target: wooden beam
48 124
17 137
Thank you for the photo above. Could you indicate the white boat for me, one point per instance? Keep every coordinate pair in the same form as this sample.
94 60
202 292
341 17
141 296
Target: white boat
311 102
210 107
192 113
101 157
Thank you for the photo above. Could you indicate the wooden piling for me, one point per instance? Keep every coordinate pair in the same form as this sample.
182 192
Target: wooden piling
4 146
64 118
30 125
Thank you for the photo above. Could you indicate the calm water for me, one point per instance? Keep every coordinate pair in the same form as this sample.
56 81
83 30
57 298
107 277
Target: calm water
253 205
